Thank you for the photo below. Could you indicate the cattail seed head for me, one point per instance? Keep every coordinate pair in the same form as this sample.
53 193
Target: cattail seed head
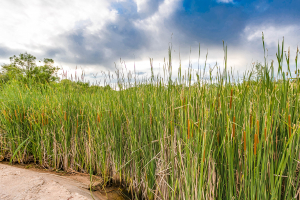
98 117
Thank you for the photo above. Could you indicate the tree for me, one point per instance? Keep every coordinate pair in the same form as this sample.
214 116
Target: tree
24 69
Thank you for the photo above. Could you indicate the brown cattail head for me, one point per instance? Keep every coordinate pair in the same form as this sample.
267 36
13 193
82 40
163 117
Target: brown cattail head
218 138
233 127
266 134
65 116
245 141
230 105
188 125
98 117
290 127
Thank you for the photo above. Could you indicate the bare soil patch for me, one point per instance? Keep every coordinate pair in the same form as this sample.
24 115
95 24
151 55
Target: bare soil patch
29 182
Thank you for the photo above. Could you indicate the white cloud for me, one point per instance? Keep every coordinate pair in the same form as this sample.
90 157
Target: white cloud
155 21
28 25
141 5
273 34
225 1
155 25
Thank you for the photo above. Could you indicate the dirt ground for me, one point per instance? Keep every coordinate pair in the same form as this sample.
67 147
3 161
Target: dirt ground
19 183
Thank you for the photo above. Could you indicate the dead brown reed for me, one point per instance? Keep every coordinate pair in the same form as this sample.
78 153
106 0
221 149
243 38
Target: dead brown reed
290 127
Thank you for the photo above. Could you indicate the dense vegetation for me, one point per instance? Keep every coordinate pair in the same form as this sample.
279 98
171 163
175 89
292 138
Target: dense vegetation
165 139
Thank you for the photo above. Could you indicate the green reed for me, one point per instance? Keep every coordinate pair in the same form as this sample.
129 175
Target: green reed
165 139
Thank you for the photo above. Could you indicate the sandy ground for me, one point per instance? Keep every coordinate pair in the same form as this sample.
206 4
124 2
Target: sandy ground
24 184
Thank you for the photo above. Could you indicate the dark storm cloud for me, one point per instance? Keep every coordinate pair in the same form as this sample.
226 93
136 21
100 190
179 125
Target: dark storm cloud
207 22
118 40
6 52
54 52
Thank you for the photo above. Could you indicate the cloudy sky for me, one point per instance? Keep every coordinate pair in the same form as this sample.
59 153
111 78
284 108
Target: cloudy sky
94 35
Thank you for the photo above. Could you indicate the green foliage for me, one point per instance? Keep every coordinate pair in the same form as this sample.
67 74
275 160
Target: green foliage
23 68
213 140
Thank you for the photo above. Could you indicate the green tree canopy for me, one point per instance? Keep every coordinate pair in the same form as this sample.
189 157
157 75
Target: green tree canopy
24 69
